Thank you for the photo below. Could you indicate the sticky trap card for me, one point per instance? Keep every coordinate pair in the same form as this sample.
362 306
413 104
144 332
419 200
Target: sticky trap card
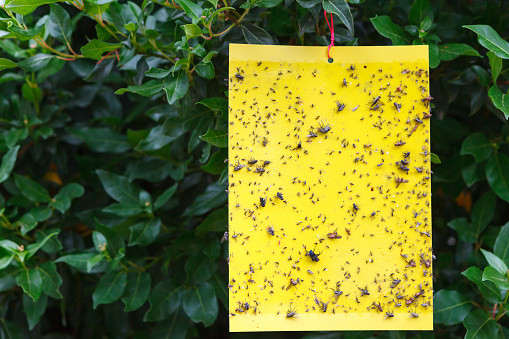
329 189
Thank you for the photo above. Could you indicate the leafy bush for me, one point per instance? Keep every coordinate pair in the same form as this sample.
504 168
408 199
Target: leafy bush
113 123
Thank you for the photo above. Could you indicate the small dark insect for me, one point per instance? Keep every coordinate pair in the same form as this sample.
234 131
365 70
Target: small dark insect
252 161
347 230
425 261
409 301
418 294
264 142
293 283
375 101
426 116
334 235
398 106
378 306
341 106
417 120
270 229
405 71
364 291
426 100
266 163
245 306
414 314
402 166
419 169
395 283
324 128
259 170
291 313
262 202
389 315
314 256
399 143
406 154
324 306
280 196
225 237
344 83
400 181
404 162
238 76
337 292
351 68
355 207
411 263
312 134
238 166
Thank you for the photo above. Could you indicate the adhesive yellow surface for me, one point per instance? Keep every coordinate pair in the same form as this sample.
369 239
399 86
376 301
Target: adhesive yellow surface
350 194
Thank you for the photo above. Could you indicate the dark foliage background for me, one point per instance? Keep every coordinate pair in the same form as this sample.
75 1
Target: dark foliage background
113 134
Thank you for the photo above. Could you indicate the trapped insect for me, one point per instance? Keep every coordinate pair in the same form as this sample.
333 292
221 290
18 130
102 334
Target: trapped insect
313 255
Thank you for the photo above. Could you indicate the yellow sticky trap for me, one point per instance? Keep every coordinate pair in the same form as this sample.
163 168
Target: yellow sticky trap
329 189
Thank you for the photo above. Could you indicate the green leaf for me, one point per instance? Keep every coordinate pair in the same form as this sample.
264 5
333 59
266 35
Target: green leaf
216 105
52 245
214 196
205 70
157 73
192 31
34 309
435 159
218 138
110 288
8 161
465 229
33 248
31 190
145 232
27 223
59 24
216 221
478 146
492 274
192 10
137 290
119 188
177 87
498 176
6 261
102 139
115 242
94 49
6 63
164 299
148 89
495 65
256 35
165 196
450 308
488 289
490 39
124 210
385 27
434 59
500 100
200 304
342 9
495 262
36 63
501 248
51 280
25 7
483 212
452 51
479 325
217 164
31 281
83 262
420 10
174 328
199 268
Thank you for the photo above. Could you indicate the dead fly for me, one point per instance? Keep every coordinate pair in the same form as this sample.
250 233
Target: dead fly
334 235
405 162
238 76
378 306
291 313
259 170
426 100
389 315
238 166
341 106
375 101
355 208
337 292
293 283
313 255
398 106
414 314
364 291
426 116
270 229
344 83
323 128
312 134
347 230
406 154
252 161
411 263
262 202
399 143
426 262
266 163
395 283
225 237
400 181
402 166
280 196
351 68
264 142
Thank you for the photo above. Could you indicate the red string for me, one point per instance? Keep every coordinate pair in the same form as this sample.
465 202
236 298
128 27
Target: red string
331 28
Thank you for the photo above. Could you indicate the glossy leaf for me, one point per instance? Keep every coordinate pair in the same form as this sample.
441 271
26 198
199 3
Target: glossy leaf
451 307
31 190
110 288
59 24
478 146
420 10
495 261
119 188
199 268
501 248
493 275
137 290
495 65
175 327
488 289
6 64
490 39
483 212
51 280
200 304
34 309
498 176
385 27
500 100
148 89
256 35
164 299
192 31
465 229
480 325
36 63
216 221
451 51
177 87
341 9
8 161
94 49
102 139
214 196
192 10
165 196
145 232
435 159
31 281
25 7
216 138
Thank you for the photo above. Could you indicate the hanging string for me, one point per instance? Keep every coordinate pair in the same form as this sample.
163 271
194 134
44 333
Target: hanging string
331 28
